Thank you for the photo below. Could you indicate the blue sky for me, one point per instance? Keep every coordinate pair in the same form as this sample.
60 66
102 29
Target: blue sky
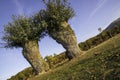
90 15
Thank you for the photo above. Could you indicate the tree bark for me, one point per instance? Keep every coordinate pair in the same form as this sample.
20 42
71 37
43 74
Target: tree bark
32 55
67 39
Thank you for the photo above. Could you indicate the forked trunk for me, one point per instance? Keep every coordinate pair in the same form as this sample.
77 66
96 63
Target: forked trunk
67 39
32 55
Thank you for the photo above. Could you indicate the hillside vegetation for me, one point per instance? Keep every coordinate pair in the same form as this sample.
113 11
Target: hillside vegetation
112 30
99 63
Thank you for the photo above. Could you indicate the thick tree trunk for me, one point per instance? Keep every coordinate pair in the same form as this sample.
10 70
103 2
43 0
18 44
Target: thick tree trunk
32 55
67 38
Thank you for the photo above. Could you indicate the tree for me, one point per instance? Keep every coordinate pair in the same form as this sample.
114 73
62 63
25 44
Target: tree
25 33
100 29
56 15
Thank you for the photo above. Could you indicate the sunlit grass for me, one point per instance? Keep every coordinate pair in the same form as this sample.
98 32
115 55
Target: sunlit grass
99 63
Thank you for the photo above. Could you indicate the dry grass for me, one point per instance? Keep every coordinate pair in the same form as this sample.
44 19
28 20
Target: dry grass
89 66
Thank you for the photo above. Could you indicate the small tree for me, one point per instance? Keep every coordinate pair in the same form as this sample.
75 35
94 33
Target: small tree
25 33
101 36
100 29
56 15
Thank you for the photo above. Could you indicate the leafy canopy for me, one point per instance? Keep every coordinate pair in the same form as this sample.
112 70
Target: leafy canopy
24 29
56 11
21 30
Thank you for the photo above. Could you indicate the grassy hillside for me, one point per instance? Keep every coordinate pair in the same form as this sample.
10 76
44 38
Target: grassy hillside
112 30
99 63
23 75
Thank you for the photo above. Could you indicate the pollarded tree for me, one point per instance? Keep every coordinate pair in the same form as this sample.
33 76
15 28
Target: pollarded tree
56 15
25 33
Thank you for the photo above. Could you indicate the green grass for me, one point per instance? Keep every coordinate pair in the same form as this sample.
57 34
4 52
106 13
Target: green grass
23 75
99 63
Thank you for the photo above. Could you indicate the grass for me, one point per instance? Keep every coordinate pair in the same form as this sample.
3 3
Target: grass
23 75
99 63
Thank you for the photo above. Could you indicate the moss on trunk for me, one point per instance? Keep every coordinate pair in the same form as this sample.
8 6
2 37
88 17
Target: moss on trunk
32 55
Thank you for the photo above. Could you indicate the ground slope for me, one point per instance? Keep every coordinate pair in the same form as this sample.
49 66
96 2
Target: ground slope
115 23
99 63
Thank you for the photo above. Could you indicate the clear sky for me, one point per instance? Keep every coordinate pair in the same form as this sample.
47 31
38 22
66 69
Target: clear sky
90 15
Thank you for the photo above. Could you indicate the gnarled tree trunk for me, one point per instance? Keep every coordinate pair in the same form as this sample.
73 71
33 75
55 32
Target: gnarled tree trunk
32 55
67 38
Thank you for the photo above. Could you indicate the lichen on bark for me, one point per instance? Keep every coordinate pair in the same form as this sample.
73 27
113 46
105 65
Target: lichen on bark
66 37
32 55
